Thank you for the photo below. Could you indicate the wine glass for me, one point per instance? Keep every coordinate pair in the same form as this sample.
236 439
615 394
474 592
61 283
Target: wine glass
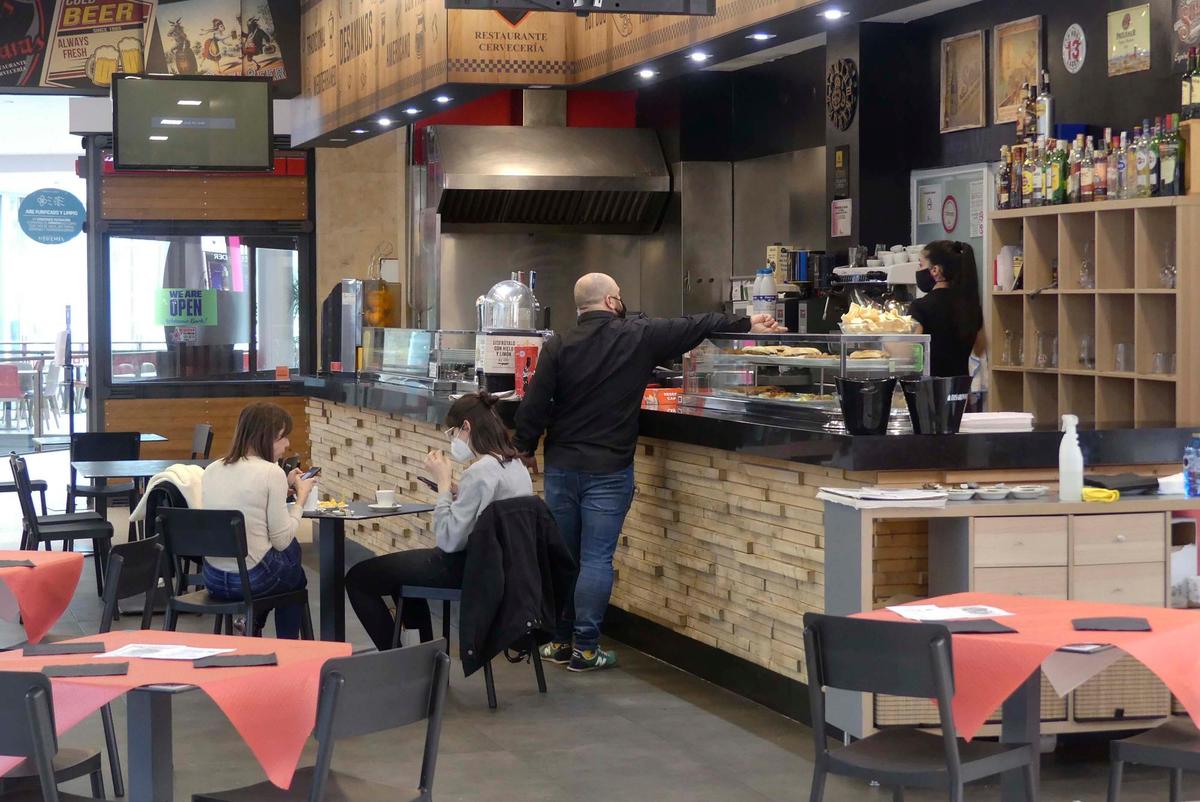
1087 270
1167 275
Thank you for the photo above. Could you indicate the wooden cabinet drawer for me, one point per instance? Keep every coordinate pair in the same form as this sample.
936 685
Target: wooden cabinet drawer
1111 539
1124 583
1040 540
1049 582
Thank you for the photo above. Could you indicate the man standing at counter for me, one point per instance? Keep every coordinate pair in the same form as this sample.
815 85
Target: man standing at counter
586 395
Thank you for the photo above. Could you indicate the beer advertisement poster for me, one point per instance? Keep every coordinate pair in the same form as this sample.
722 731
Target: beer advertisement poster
1186 29
24 30
225 38
94 39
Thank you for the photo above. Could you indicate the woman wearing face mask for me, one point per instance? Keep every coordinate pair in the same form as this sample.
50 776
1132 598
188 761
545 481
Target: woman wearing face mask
478 439
950 312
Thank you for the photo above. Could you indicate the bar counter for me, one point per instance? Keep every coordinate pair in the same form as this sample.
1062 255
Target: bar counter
724 549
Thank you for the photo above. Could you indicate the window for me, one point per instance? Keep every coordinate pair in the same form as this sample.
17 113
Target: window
203 307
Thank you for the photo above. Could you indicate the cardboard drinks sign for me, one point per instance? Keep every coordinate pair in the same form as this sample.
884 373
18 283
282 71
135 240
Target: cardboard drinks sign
94 39
24 28
51 216
182 307
1129 40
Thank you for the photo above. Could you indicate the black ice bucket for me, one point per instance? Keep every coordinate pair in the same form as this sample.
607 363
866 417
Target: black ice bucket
936 403
866 404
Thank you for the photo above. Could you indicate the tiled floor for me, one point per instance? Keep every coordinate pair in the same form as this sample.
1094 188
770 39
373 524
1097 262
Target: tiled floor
644 731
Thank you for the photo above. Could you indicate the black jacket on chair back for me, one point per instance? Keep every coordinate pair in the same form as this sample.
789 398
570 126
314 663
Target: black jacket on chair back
163 494
516 580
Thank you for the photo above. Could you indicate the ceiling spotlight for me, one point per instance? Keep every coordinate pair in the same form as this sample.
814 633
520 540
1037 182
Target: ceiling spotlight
646 75
699 57
761 37
359 131
412 111
539 86
159 138
443 98
384 121
833 13
336 139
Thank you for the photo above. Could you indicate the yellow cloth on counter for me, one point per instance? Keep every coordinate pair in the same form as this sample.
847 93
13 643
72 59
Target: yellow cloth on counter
1100 494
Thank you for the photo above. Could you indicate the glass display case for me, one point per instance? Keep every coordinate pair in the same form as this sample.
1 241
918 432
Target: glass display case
438 360
793 376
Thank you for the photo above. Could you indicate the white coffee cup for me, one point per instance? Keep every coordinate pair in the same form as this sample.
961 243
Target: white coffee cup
314 495
385 498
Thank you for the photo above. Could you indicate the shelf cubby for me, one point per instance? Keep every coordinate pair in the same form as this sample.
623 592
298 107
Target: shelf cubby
1041 397
1114 403
1114 250
1155 404
1041 252
1077 396
1114 324
1154 239
1041 318
1008 390
1077 319
1007 316
1156 330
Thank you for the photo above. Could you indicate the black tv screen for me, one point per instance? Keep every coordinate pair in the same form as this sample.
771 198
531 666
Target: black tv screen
191 123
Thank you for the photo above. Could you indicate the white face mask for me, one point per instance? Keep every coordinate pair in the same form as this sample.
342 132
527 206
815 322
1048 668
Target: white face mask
460 451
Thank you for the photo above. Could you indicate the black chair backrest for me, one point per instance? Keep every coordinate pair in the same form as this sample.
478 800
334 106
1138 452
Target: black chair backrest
196 534
20 473
202 439
86 446
134 568
889 657
27 708
377 691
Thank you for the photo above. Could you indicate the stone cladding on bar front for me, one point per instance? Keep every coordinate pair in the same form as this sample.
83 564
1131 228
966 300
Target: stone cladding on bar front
725 548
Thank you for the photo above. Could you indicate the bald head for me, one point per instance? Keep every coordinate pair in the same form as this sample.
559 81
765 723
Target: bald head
593 290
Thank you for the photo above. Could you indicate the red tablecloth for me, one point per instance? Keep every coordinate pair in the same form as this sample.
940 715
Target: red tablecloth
988 668
43 592
273 708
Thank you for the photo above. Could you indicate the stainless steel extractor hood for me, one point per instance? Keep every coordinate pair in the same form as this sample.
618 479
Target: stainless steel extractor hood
519 178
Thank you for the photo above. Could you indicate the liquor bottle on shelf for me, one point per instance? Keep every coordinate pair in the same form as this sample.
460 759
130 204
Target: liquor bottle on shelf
1033 163
1170 159
1047 149
1017 200
1087 174
1075 165
1126 159
1195 76
1045 107
1139 172
1059 173
1114 166
1101 173
1031 113
1185 86
1027 176
1152 157
1004 179
1022 118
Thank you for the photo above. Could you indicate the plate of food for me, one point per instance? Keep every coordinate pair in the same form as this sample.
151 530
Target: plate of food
873 320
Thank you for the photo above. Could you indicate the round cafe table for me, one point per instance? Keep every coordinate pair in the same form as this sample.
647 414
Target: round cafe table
37 594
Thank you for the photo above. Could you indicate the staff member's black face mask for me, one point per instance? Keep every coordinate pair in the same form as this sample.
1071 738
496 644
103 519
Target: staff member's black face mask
925 281
620 312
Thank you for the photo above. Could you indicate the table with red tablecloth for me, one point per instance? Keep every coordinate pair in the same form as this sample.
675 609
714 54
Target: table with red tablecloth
273 708
38 595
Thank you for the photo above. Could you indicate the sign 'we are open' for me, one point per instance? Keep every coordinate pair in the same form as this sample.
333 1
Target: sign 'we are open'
180 307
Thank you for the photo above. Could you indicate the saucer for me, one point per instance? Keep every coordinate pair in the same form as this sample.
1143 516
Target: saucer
374 506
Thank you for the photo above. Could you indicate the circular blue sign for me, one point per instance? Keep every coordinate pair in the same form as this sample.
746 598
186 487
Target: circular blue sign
51 216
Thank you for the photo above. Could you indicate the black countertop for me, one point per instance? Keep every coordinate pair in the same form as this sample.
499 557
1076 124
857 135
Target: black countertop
902 452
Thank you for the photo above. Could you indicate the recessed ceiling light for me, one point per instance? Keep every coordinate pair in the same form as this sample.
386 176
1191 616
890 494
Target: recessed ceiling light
384 121
336 139
190 103
646 74
539 86
699 57
411 111
168 121
359 131
158 138
761 37
833 13
443 98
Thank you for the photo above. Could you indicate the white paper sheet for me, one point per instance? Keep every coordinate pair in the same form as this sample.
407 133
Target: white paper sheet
931 612
1068 670
163 651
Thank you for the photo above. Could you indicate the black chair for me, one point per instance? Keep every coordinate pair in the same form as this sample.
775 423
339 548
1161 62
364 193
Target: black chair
202 439
1175 746
446 596
196 534
87 446
38 486
27 708
900 659
360 695
67 529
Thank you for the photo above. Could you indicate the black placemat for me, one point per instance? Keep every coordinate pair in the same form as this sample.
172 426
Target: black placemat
16 564
1111 624
35 650
236 660
982 626
88 670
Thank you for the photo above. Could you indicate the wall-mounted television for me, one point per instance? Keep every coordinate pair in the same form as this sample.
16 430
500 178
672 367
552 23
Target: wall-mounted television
191 123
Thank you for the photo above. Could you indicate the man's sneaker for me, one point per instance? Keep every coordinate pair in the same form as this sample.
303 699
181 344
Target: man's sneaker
591 659
557 653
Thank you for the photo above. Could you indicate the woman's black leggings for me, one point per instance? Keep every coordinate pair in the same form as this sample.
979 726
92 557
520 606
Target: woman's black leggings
370 581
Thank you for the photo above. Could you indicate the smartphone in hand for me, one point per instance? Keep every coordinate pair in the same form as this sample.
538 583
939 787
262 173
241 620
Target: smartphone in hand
432 485
310 473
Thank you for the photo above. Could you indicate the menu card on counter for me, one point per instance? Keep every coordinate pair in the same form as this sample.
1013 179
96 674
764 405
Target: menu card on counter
868 498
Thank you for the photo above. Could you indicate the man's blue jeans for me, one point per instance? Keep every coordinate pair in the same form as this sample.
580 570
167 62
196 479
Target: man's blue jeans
589 509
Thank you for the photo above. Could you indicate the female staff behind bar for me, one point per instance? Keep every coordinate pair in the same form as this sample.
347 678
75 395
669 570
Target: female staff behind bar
950 312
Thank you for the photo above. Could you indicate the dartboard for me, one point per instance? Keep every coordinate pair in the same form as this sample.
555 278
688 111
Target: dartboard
841 93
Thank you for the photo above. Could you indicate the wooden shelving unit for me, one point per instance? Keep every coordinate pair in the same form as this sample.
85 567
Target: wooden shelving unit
1127 316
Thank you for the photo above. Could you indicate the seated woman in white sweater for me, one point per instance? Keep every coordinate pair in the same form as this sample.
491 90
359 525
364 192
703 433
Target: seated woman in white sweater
495 472
249 479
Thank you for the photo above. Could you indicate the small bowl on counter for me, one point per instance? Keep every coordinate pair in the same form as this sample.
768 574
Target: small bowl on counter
993 492
960 493
1029 492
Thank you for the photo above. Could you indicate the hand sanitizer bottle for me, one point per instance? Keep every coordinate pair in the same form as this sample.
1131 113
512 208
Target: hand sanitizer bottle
1070 462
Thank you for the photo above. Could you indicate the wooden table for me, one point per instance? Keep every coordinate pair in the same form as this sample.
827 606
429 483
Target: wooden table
65 439
136 469
331 548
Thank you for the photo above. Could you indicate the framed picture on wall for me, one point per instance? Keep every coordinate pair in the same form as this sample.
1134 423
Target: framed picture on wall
1016 60
963 89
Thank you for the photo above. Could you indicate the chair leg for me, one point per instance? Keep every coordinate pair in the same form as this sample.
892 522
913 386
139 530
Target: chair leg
1176 785
97 778
489 682
100 547
42 493
1114 780
446 621
306 625
170 619
898 794
70 501
219 619
398 628
817 794
114 757
536 656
